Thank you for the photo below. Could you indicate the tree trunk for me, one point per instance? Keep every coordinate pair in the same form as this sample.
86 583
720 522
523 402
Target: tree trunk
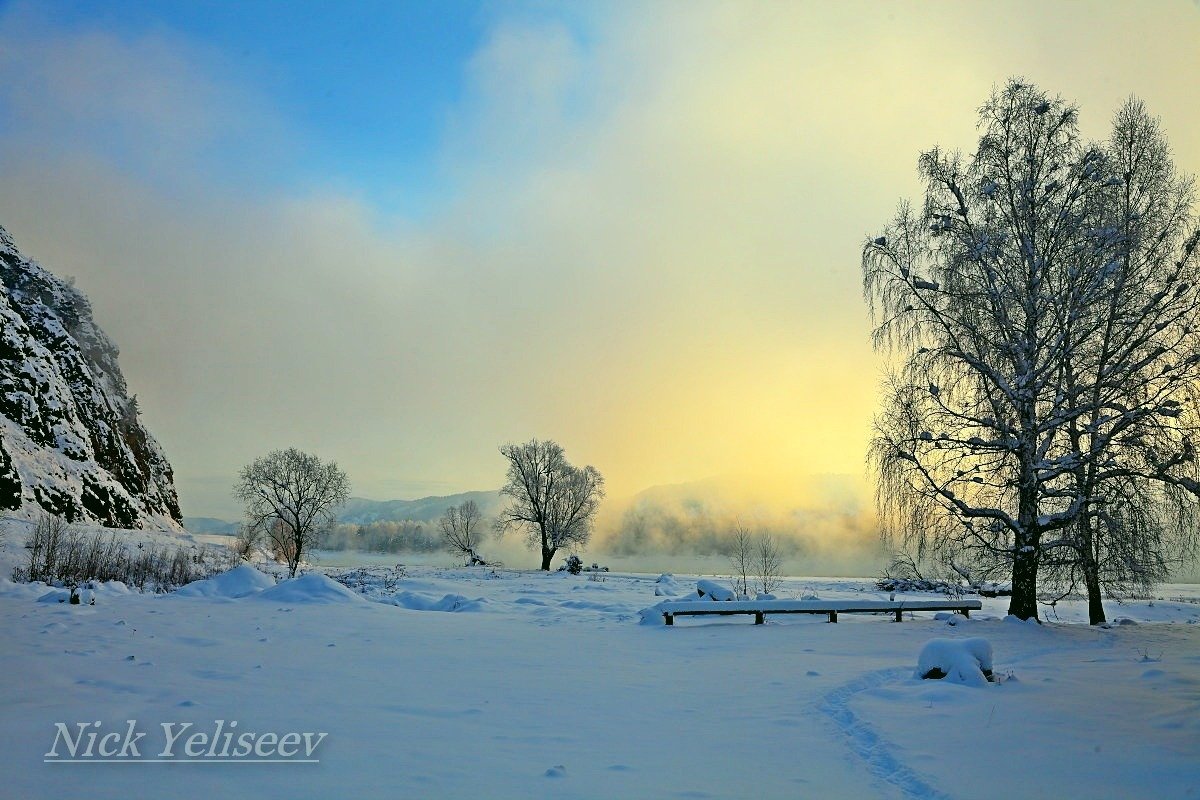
1023 604
1091 578
547 555
293 558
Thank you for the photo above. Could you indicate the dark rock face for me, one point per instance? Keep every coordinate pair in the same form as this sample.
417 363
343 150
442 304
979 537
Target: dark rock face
71 441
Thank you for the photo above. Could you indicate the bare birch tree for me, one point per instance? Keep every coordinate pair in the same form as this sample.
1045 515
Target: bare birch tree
1032 372
768 565
1130 443
293 498
741 560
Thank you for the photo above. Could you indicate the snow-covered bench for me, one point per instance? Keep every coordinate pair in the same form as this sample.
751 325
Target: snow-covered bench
760 608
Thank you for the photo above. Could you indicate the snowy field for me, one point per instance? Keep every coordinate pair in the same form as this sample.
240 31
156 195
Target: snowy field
468 684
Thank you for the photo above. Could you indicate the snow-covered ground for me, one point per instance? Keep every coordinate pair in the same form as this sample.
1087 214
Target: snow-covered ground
472 684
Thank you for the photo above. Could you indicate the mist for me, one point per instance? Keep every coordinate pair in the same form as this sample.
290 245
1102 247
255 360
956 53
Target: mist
822 526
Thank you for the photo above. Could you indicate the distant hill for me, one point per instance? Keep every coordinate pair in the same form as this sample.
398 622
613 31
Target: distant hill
210 526
360 511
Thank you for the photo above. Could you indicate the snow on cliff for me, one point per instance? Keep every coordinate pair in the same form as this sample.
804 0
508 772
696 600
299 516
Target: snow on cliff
71 441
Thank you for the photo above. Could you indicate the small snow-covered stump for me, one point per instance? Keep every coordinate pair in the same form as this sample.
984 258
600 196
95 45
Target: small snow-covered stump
965 661
714 591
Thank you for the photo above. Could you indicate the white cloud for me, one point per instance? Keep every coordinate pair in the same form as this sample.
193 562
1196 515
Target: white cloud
649 250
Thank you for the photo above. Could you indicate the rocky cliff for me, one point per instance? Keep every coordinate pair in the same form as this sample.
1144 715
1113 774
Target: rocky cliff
71 441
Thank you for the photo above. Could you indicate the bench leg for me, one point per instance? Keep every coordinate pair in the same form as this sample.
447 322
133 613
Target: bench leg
758 618
899 615
966 612
833 616
670 619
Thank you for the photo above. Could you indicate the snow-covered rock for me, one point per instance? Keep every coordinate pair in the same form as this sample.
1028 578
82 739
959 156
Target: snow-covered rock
965 661
71 441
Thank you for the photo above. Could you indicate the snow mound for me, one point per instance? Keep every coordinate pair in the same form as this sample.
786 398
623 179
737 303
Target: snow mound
965 661
714 591
237 582
311 588
22 590
110 587
953 619
666 586
421 602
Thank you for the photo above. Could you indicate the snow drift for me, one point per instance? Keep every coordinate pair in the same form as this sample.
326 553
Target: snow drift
419 602
237 582
308 589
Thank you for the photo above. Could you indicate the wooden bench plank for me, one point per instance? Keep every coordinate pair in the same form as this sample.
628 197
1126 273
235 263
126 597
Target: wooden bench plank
760 608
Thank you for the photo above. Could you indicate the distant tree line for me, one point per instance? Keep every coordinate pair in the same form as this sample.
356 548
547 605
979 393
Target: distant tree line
387 536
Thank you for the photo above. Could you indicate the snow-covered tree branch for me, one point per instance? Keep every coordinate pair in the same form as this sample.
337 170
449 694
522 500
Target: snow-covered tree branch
1044 310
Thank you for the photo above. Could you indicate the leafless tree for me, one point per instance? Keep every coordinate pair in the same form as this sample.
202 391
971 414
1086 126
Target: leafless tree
293 497
768 566
552 501
1130 443
45 547
1047 334
248 538
754 561
462 530
740 560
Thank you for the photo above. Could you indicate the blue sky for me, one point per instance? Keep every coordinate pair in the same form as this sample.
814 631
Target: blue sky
365 88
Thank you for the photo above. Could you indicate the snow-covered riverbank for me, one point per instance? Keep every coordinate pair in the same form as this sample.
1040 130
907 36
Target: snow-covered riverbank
546 685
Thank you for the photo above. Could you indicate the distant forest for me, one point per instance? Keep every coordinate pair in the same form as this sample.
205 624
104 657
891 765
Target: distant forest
386 537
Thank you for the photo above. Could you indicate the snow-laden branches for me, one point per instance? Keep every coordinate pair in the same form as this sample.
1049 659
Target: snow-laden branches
1044 305
293 497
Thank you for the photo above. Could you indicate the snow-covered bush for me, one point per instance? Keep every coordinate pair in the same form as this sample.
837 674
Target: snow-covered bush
384 580
886 584
965 661
574 565
57 553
